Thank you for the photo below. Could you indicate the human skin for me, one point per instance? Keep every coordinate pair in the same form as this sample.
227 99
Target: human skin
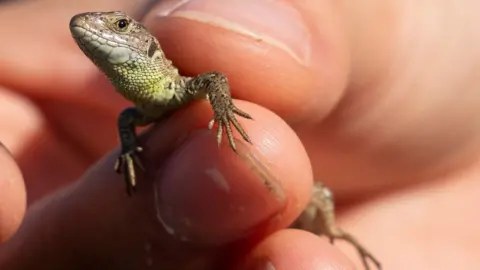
382 94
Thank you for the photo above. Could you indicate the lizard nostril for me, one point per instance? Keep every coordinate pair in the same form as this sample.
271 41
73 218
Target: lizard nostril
77 20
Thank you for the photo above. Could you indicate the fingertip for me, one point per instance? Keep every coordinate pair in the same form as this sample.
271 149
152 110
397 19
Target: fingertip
265 183
295 249
12 195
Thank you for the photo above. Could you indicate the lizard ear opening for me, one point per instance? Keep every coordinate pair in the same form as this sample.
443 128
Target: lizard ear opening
152 48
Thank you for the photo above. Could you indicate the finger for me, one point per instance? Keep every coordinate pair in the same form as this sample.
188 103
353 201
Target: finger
36 148
192 202
295 249
287 56
12 195
287 179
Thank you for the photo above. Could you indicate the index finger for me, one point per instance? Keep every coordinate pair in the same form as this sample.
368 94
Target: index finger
193 201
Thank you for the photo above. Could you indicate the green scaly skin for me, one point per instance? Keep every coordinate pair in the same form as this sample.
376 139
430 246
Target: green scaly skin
134 62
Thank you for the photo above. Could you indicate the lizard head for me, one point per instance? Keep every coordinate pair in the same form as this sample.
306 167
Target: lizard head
124 50
111 36
113 41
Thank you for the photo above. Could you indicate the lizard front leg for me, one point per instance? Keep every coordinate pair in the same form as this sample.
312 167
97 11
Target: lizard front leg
128 120
215 86
319 218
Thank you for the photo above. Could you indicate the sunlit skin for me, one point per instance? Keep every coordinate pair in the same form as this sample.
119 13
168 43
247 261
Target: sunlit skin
385 103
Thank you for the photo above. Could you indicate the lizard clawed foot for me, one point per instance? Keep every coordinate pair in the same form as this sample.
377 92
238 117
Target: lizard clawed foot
364 254
319 218
225 117
125 164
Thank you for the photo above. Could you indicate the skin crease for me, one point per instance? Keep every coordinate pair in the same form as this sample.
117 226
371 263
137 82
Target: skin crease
389 122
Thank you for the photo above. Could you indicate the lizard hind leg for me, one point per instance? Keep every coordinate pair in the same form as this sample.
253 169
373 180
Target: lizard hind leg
319 218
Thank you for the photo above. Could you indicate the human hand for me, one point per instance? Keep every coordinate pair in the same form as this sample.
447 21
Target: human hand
349 77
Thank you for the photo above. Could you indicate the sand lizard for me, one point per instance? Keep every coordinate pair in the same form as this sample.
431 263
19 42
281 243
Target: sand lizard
132 59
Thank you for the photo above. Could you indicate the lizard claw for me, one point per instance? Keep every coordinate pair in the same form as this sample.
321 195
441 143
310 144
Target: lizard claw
225 118
319 218
364 254
125 164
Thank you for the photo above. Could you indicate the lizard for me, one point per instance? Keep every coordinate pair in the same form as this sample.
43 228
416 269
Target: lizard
134 62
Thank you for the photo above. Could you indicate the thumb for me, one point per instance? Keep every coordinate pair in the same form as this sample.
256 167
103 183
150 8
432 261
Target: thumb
195 203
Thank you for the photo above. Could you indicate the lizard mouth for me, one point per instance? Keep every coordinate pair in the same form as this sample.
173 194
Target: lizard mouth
85 36
90 44
81 28
96 43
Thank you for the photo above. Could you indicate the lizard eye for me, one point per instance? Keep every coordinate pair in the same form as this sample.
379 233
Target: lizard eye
122 23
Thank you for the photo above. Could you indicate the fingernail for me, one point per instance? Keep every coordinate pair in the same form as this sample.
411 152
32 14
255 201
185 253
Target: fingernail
214 196
274 22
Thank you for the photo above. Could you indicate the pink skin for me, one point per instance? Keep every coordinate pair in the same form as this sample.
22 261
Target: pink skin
381 94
